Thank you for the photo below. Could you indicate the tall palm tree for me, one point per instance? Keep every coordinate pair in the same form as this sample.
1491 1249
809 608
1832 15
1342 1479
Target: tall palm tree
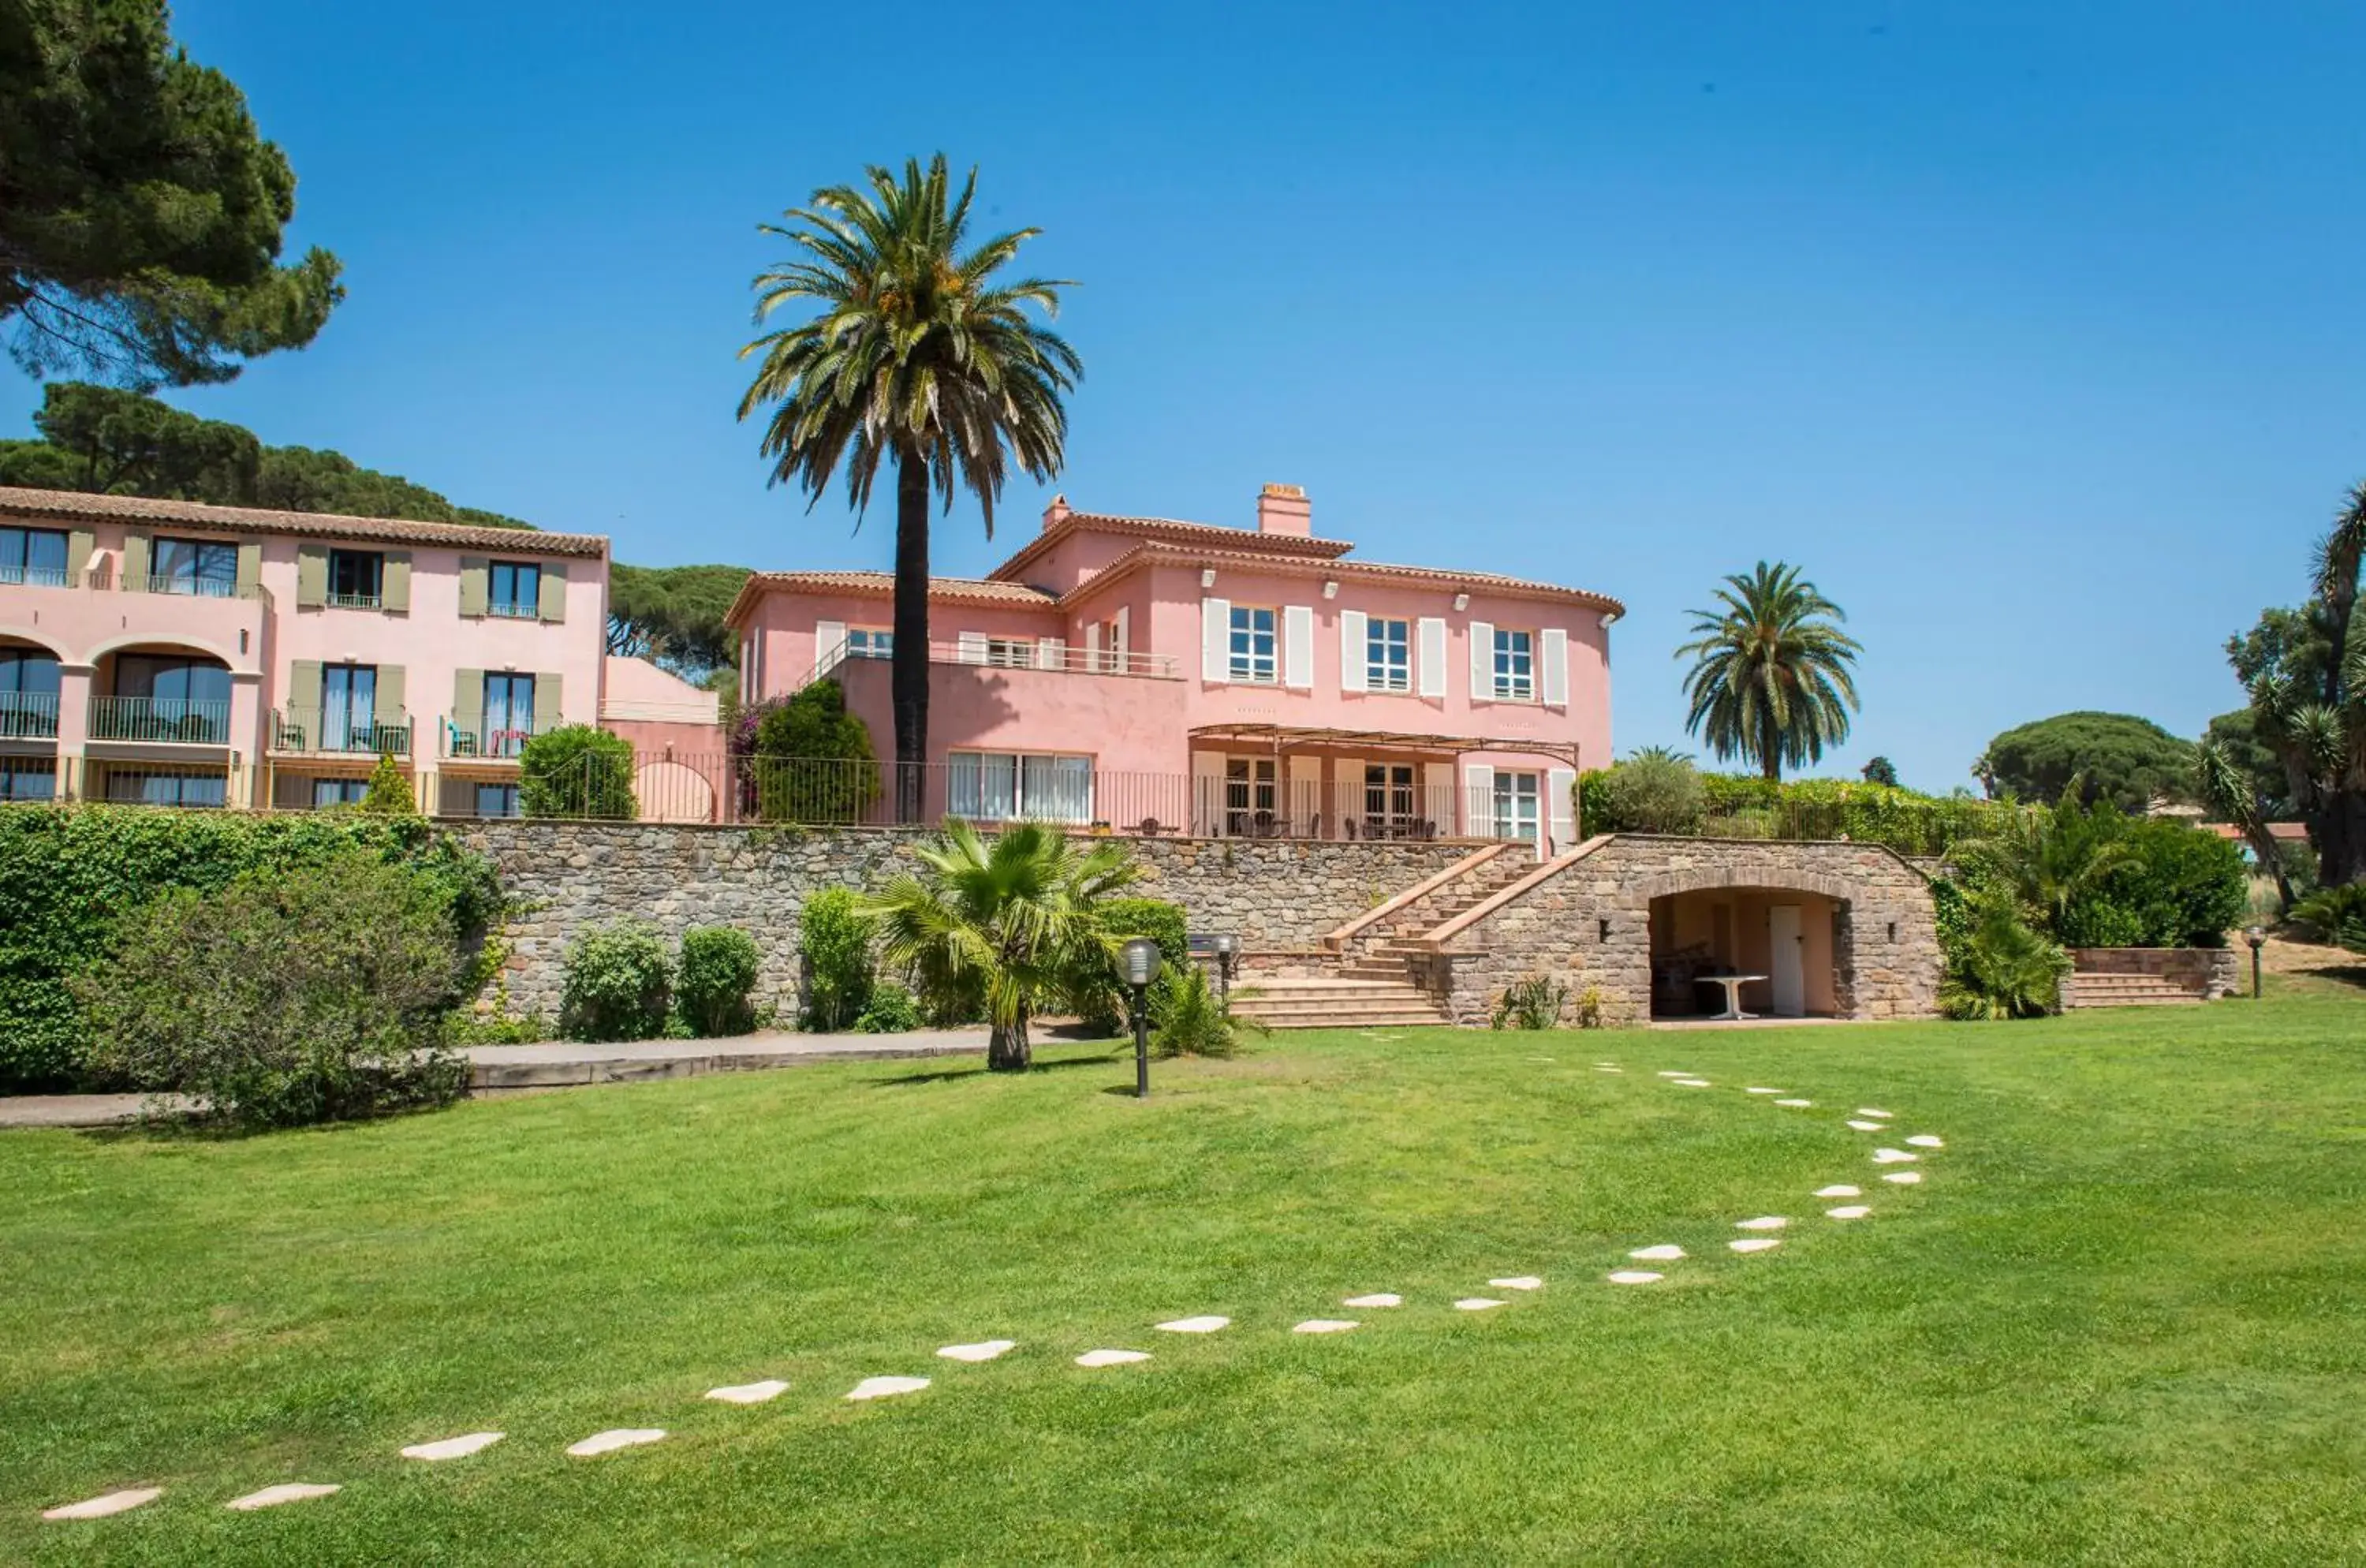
1771 677
918 354
1014 922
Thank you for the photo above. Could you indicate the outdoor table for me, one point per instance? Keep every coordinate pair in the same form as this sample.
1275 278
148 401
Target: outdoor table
1733 984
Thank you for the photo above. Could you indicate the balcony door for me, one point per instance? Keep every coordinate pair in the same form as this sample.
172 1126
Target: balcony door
29 694
508 713
349 707
201 567
166 697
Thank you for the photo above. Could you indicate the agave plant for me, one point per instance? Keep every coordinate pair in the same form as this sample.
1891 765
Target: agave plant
2336 915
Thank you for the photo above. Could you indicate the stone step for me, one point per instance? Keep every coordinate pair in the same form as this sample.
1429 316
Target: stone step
1355 1018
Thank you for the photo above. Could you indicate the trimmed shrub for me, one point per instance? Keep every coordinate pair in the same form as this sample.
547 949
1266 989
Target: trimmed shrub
891 1010
285 998
617 984
578 770
806 759
389 793
713 981
834 944
1103 1000
1651 794
68 874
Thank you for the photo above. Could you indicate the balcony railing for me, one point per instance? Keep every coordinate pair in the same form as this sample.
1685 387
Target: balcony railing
1022 653
357 601
182 719
483 741
340 732
29 715
35 577
182 587
512 611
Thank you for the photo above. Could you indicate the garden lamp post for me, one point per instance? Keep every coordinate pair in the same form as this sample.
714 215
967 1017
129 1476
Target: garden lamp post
1141 965
1228 947
2257 937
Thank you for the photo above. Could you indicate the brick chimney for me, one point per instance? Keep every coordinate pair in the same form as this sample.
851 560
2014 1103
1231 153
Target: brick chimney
1053 514
1284 508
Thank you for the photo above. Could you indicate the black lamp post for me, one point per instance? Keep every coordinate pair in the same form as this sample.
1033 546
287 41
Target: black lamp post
2257 937
1228 947
1140 961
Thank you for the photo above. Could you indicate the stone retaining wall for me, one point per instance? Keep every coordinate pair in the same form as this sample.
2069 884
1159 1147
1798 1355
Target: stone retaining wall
572 876
2205 971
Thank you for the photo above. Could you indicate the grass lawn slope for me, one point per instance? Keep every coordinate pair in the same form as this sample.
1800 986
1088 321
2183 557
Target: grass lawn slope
2123 1319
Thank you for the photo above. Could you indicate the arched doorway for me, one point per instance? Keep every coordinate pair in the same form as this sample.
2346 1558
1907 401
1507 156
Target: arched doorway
1792 937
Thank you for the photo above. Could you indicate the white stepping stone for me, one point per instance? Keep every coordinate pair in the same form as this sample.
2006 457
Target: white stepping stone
1324 1325
749 1393
1665 1074
1112 1358
1796 1104
1518 1282
1754 1242
1475 1303
1893 1156
1756 1090
1838 1189
1850 1212
1691 1083
1666 1252
983 1350
1763 1222
1871 1111
1904 1177
1864 1126
100 1507
1634 1277
285 1491
622 1437
1196 1324
1382 1299
1926 1141
1609 1069
461 1448
885 1388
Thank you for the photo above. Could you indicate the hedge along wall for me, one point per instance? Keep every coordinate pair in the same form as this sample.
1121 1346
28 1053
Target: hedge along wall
568 876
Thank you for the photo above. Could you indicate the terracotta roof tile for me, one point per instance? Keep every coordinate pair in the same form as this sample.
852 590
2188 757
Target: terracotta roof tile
1151 549
81 506
881 585
1245 539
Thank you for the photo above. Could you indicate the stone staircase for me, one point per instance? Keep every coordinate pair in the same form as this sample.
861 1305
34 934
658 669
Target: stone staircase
1360 978
2127 991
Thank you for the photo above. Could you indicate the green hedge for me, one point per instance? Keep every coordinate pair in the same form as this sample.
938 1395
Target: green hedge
69 873
1740 806
1104 1009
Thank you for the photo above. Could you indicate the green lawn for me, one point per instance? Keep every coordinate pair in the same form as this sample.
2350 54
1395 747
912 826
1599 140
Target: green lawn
2123 1320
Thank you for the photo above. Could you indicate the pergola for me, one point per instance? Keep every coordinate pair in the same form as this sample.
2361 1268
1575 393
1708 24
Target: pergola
1284 739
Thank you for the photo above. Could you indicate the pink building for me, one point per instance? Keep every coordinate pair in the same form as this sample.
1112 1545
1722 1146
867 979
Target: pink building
1163 676
171 652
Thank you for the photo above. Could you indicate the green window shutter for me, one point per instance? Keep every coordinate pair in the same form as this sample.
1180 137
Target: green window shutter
250 568
468 702
79 546
545 703
390 693
473 587
304 691
311 576
553 604
135 563
394 581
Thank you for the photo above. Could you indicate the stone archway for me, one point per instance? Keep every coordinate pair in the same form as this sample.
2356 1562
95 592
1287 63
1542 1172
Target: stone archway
1710 920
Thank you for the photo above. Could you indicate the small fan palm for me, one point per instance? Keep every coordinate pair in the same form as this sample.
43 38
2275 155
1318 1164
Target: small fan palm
2048 857
2003 969
1772 679
920 355
1011 924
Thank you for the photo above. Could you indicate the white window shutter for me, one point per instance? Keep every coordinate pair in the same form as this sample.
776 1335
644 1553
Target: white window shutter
1093 645
1215 639
830 646
1562 809
971 647
1207 794
1478 799
1124 640
1429 656
1438 796
1355 652
1297 647
1482 664
1050 653
1554 679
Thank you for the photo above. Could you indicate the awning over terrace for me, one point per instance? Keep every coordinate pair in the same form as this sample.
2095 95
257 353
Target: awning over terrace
1283 739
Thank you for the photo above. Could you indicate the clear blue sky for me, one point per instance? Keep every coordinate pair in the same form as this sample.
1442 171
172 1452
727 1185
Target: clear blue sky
2030 330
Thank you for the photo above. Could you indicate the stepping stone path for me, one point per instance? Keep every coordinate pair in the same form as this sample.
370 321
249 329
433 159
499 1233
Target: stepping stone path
1870 1111
1382 1299
1635 1276
1112 1358
1763 1222
1324 1325
1852 1212
1691 1083
1761 1092
608 1442
1795 1104
1666 1252
1904 1177
983 1350
1518 1282
1864 1127
461 1448
749 1393
1665 1074
1754 1242
1926 1141
885 1388
1475 1303
100 1507
1609 1069
1893 1156
1196 1324
285 1491
1838 1189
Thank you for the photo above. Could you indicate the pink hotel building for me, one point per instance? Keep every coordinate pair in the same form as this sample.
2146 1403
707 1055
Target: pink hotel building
1163 676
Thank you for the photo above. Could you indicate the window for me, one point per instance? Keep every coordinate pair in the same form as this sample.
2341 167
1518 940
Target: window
1515 806
1515 666
514 588
870 642
339 792
1389 799
1252 645
1010 652
993 787
348 707
202 567
357 578
1388 662
29 778
496 800
36 557
509 714
167 789
28 694
164 697
1250 794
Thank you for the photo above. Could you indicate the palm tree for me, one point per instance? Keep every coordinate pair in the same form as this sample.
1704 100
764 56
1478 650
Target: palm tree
1013 924
1771 674
2046 857
918 355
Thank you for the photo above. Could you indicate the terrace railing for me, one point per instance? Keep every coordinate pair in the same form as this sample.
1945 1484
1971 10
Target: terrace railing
183 720
340 732
29 715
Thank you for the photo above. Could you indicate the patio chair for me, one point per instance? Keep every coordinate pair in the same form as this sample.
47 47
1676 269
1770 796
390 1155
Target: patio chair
1150 826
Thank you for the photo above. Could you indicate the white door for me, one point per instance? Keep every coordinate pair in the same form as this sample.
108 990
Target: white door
1787 972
